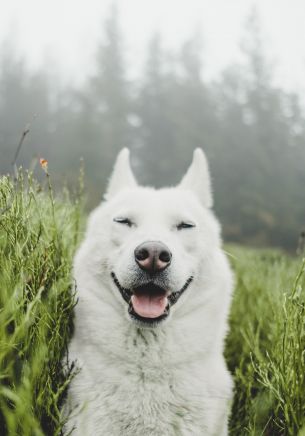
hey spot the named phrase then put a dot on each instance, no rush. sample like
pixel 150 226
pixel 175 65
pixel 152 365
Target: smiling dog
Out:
pixel 154 289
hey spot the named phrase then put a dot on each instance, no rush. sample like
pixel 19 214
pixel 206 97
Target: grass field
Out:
pixel 266 345
pixel 38 236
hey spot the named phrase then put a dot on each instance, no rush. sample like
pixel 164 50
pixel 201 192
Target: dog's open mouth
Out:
pixel 149 303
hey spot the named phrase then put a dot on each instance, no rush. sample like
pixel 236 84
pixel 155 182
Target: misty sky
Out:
pixel 62 34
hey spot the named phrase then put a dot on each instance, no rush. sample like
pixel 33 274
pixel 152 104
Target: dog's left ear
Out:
pixel 122 176
pixel 197 178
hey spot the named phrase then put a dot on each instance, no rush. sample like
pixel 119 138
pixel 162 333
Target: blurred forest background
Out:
pixel 252 131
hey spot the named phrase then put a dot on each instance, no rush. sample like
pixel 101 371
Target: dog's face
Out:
pixel 151 246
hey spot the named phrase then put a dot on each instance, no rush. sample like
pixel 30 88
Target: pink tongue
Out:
pixel 149 307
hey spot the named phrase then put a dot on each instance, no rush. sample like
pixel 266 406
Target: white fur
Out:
pixel 151 381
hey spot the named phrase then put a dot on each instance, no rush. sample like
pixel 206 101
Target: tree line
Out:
pixel 252 131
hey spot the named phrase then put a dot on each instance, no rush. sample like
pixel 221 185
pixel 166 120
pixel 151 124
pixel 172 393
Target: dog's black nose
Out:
pixel 153 256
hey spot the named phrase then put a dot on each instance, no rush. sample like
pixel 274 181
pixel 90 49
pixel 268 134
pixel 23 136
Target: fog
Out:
pixel 163 79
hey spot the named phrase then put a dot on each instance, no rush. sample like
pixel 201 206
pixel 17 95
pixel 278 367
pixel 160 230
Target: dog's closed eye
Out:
pixel 185 225
pixel 123 220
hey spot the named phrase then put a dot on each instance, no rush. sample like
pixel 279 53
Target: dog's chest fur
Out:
pixel 152 384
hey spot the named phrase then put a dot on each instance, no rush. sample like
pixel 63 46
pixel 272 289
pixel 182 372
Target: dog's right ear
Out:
pixel 122 176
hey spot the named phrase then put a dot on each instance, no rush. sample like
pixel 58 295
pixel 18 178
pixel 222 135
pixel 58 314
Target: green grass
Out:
pixel 266 344
pixel 38 236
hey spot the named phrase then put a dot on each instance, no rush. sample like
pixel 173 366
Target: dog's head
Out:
pixel 150 247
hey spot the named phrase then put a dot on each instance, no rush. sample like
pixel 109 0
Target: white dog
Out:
pixel 154 291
